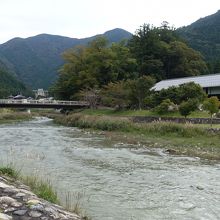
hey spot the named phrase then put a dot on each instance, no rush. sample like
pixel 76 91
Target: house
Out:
pixel 40 93
pixel 210 83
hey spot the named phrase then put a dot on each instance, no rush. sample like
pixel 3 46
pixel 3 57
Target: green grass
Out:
pixel 112 112
pixel 41 188
pixel 188 139
pixel 8 171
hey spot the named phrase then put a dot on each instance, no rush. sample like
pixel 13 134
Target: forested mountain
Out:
pixel 204 36
pixel 36 60
pixel 125 70
pixel 9 85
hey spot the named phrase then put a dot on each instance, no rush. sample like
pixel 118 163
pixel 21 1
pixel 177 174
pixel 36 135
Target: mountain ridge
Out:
pixel 204 35
pixel 36 60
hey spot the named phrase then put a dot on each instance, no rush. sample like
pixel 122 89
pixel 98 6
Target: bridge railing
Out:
pixel 46 102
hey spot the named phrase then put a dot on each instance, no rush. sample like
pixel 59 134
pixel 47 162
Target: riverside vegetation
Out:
pixel 44 190
pixel 8 116
pixel 186 139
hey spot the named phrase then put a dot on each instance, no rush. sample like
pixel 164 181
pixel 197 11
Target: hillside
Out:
pixel 204 36
pixel 36 60
pixel 9 85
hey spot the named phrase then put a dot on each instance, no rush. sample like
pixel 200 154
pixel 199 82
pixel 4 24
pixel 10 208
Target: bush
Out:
pixel 165 107
pixel 186 107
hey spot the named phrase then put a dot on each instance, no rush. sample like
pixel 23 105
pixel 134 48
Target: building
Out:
pixel 210 83
pixel 40 93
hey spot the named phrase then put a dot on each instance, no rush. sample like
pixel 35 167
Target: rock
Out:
pixel 37 207
pixel 199 188
pixel 18 195
pixel 22 204
pixel 187 206
pixel 5 217
pixel 10 190
pixel 27 192
pixel 16 204
pixel 171 151
pixel 35 214
pixel 12 209
pixel 20 212
pixel 7 200
pixel 33 202
pixel 3 185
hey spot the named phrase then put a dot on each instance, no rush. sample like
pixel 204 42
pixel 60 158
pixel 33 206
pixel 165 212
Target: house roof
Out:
pixel 205 81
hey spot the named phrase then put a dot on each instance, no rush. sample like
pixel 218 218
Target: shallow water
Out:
pixel 116 181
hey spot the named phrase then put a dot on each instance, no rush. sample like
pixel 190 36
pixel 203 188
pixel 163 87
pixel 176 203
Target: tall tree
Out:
pixel 139 90
pixel 162 54
pixel 96 65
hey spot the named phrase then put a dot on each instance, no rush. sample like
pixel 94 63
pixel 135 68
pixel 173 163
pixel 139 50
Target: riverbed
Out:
pixel 113 180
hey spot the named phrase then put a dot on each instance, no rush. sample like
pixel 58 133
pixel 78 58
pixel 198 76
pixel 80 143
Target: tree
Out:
pixel 178 94
pixel 212 106
pixel 115 95
pixel 186 107
pixel 139 89
pixel 183 61
pixel 96 65
pixel 161 53
pixel 90 95
pixel 165 106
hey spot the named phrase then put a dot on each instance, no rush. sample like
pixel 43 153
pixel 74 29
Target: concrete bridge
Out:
pixel 55 104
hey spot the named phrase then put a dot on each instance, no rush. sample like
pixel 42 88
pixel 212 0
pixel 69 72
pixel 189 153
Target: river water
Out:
pixel 114 181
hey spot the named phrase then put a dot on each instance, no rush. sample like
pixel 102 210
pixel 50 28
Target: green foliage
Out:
pixel 160 53
pixel 203 36
pixel 8 171
pixel 178 94
pixel 37 59
pixel 115 95
pixel 123 124
pixel 165 107
pixel 139 90
pixel 94 66
pixel 90 95
pixel 9 85
pixel 211 105
pixel 186 107
pixel 41 188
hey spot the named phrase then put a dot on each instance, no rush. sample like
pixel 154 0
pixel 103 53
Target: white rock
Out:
pixel 35 214
pixel 33 202
pixel 7 200
pixel 5 217
pixel 16 204
pixel 18 195
pixel 3 185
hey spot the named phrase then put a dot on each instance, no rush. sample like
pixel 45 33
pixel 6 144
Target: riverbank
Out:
pixel 10 116
pixel 18 202
pixel 175 138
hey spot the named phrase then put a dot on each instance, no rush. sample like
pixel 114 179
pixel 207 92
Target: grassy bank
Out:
pixel 187 139
pixel 9 116
pixel 44 189
pixel 112 112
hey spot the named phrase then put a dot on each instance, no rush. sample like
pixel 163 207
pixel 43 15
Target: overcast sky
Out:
pixel 84 18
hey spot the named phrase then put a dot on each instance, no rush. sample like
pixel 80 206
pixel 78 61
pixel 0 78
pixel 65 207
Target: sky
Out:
pixel 85 18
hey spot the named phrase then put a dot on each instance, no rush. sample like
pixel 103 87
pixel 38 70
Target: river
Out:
pixel 114 181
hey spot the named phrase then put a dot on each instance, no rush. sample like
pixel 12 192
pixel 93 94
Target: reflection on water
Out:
pixel 118 182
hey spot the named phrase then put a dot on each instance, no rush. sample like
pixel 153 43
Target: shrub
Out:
pixel 165 107
pixel 186 107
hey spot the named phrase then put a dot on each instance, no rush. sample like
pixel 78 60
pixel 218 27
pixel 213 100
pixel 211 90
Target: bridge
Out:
pixel 55 104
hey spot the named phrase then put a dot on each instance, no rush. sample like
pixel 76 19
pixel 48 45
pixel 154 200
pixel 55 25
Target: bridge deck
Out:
pixel 56 104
